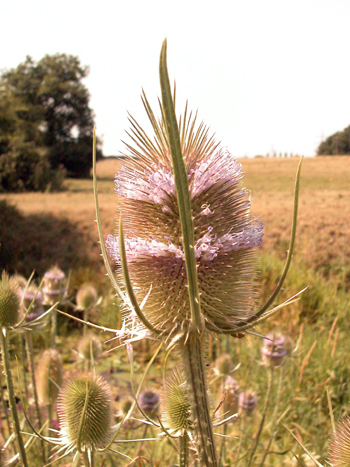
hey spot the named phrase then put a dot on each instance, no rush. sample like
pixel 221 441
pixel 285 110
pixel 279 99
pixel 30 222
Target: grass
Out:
pixel 318 322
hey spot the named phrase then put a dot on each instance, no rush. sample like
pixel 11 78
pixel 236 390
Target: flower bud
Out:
pixel 86 297
pixel 85 412
pixel 274 351
pixel 55 288
pixel 9 301
pixel 90 347
pixel 247 401
pixel 149 402
pixel 49 376
pixel 176 406
pixel 339 447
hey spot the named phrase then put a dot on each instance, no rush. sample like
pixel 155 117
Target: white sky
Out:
pixel 265 75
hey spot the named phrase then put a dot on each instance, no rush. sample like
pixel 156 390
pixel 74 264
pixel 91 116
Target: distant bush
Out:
pixel 336 145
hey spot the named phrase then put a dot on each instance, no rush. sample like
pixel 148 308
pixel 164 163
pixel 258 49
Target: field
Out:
pixel 318 323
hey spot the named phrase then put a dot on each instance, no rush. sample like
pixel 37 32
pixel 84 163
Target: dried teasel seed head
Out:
pixel 274 351
pixel 247 401
pixel 224 364
pixel 149 402
pixel 49 376
pixel 55 287
pixel 90 347
pixel 176 407
pixel 339 447
pixel 85 412
pixel 86 297
pixel 9 301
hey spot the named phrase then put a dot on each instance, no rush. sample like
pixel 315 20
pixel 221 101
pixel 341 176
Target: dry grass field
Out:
pixel 324 213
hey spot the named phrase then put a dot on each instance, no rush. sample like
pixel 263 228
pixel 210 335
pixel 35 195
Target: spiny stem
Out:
pixel 195 372
pixel 13 408
pixel 29 345
pixel 184 454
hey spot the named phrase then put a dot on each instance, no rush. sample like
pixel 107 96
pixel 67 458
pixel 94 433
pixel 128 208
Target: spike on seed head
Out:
pixel 9 301
pixel 225 234
pixel 49 376
pixel 92 429
pixel 339 447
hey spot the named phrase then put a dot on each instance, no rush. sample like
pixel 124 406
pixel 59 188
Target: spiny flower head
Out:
pixel 28 295
pixel 85 413
pixel 149 402
pixel 55 287
pixel 86 297
pixel 339 448
pixel 274 351
pixel 9 301
pixel 176 406
pixel 225 234
pixel 247 401
pixel 90 347
pixel 223 365
pixel 49 376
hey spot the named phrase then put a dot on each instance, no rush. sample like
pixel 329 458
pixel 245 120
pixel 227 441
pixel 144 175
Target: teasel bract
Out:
pixel 187 245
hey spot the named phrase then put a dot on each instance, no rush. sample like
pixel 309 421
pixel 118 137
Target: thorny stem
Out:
pixel 184 454
pixel 195 372
pixel 13 408
pixel 29 345
pixel 4 408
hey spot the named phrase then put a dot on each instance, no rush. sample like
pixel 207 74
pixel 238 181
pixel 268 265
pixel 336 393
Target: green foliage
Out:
pixel 46 123
pixel 336 145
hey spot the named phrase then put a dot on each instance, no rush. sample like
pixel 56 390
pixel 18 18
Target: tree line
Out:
pixel 46 124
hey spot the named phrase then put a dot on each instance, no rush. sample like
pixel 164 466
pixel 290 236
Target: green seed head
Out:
pixel 90 347
pixel 224 365
pixel 85 412
pixel 176 404
pixel 49 376
pixel 339 448
pixel 86 297
pixel 9 301
pixel 55 287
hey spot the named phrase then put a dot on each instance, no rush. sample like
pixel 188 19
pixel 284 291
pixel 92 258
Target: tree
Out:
pixel 337 144
pixel 46 105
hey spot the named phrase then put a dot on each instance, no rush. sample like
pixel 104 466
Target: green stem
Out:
pixel 275 416
pixel 5 409
pixel 13 408
pixel 23 359
pixel 53 328
pixel 184 454
pixel 195 372
pixel 266 406
pixel 29 345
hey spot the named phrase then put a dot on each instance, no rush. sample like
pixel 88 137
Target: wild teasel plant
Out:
pixel 186 245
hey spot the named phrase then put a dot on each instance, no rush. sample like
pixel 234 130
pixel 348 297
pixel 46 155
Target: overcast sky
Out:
pixel 264 75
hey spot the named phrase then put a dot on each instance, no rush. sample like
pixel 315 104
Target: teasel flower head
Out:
pixel 274 351
pixel 231 396
pixel 9 301
pixel 49 376
pixel 85 413
pixel 225 234
pixel 223 365
pixel 149 402
pixel 33 299
pixel 175 403
pixel 90 347
pixel 55 285
pixel 339 447
pixel 247 401
pixel 86 297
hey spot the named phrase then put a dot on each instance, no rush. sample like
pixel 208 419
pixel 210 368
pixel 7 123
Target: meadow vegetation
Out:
pixel 42 229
